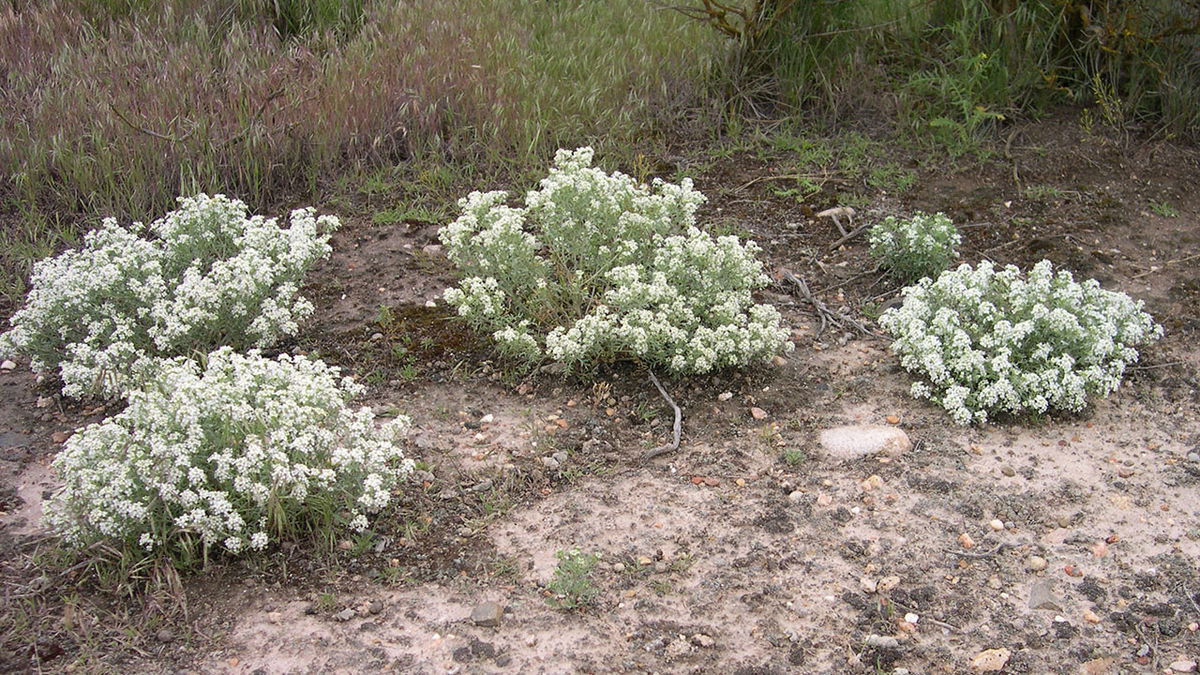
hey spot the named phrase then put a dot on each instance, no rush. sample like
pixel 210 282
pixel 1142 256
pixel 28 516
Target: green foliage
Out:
pixel 572 586
pixel 1164 209
pixel 921 246
pixel 597 268
pixel 988 342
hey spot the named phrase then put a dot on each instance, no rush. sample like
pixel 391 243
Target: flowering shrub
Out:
pixel 231 453
pixel 203 276
pixel 987 341
pixel 596 267
pixel 920 247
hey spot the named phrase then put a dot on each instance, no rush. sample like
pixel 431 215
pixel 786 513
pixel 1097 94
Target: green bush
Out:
pixel 988 342
pixel 598 268
pixel 203 276
pixel 227 454
pixel 921 246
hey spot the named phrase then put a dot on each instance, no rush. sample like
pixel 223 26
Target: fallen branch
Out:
pixel 674 444
pixel 857 231
pixel 827 316
pixel 1169 262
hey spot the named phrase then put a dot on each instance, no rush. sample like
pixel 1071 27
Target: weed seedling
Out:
pixel 572 587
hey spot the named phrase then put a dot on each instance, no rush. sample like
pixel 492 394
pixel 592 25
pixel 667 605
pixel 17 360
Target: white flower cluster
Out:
pixel 596 267
pixel 919 247
pixel 203 276
pixel 231 452
pixel 988 341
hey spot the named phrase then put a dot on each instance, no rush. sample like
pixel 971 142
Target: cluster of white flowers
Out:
pixel 205 275
pixel 919 247
pixel 596 267
pixel 231 452
pixel 988 341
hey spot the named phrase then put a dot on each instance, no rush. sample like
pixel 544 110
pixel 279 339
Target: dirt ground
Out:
pixel 1060 545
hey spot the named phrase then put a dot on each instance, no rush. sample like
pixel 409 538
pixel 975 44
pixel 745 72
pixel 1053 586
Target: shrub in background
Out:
pixel 987 342
pixel 227 454
pixel 921 246
pixel 203 276
pixel 596 267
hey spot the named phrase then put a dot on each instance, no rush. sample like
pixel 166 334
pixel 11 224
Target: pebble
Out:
pixel 487 614
pixel 725 396
pixel 911 618
pixel 857 441
pixel 991 660
pixel 1183 666
pixel 8 365
pixel 796 497
pixel 345 615
pixel 1064 521
pixel 758 413
pixel 996 524
pixel 824 500
pixel 868 584
pixel 1090 616
pixel 702 640
pixel 881 641
pixel 561 456
pixel 660 567
pixel 550 462
pixel 165 635
pixel 1036 563
pixel 966 541
pixel 1008 471
pixel 618 567
pixel 1041 597
pixel 887 583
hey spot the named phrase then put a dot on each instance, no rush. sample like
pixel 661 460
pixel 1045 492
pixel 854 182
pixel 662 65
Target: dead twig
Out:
pixel 827 315
pixel 153 134
pixel 983 554
pixel 674 444
pixel 854 233
pixel 1169 262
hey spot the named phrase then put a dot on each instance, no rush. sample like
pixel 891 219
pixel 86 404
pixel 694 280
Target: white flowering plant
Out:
pixel 227 453
pixel 203 276
pixel 988 342
pixel 921 246
pixel 596 267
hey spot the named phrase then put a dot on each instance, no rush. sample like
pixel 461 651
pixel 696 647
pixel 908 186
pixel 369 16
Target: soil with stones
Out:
pixel 772 540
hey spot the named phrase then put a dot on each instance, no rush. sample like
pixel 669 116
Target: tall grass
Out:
pixel 116 107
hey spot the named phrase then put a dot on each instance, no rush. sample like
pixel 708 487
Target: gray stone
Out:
pixel 487 614
pixel 1041 597
pixel 858 441
pixel 8 365
pixel 550 462
pixel 881 642
pixel 345 615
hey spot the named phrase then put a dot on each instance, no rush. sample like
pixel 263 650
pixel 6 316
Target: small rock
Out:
pixel 487 614
pixel 432 249
pixel 1036 563
pixel 966 541
pixel 661 567
pixel 881 642
pixel 991 660
pixel 796 497
pixel 44 401
pixel 376 337
pixel 482 486
pixel 550 462
pixel 1041 597
pixel 874 482
pixel 561 456
pixel 892 419
pixel 712 482
pixel 887 584
pixel 1183 666
pixel 911 618
pixel 1008 471
pixel 758 413
pixel 702 640
pixel 1064 521
pixel 164 635
pixel 375 607
pixel 8 365
pixel 725 396
pixel 618 567
pixel 868 584
pixel 996 524
pixel 60 436
pixel 345 615
pixel 854 442
pixel 1090 616
pixel 824 499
